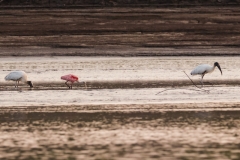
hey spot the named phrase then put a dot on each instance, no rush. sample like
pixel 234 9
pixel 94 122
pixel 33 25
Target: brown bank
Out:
pixel 159 30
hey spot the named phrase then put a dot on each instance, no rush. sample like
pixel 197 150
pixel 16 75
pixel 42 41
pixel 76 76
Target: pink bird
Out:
pixel 70 78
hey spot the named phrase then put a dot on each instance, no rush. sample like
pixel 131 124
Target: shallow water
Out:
pixel 146 72
pixel 150 121
pixel 116 68
pixel 119 96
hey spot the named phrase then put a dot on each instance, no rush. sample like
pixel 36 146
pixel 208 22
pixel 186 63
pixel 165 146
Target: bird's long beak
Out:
pixel 30 84
pixel 219 68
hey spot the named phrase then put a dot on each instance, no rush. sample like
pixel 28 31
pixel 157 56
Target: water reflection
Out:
pixel 140 134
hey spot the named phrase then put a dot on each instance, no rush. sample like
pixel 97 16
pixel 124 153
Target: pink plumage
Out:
pixel 69 78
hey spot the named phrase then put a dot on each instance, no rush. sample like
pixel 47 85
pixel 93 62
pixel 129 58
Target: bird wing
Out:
pixel 70 77
pixel 200 69
pixel 73 77
pixel 16 75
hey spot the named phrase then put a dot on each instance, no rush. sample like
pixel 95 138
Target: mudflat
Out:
pixel 120 31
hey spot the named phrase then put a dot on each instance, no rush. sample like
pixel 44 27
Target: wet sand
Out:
pixel 129 132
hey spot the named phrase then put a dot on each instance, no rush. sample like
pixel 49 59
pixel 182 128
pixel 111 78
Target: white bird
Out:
pixel 18 76
pixel 204 69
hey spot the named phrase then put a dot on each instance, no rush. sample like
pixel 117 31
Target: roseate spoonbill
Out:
pixel 204 69
pixel 71 78
pixel 18 76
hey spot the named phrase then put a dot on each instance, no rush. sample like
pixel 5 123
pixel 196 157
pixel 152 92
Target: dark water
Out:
pixel 119 134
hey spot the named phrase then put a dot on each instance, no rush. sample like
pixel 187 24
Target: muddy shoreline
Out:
pixel 120 31
pixel 127 108
pixel 119 134
pixel 9 86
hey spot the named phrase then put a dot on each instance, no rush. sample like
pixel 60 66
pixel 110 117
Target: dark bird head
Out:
pixel 217 65
pixel 30 84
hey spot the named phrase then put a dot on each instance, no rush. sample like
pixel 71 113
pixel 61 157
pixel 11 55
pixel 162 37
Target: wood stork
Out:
pixel 18 76
pixel 204 69
pixel 71 78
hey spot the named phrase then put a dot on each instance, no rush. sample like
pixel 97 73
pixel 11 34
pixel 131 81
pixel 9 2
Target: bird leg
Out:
pixel 205 82
pixel 202 82
pixel 16 84
pixel 67 84
pixel 202 78
pixel 71 85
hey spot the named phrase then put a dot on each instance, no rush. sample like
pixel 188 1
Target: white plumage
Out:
pixel 18 76
pixel 199 70
pixel 204 69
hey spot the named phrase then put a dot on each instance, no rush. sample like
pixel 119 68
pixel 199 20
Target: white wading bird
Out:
pixel 18 76
pixel 204 69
